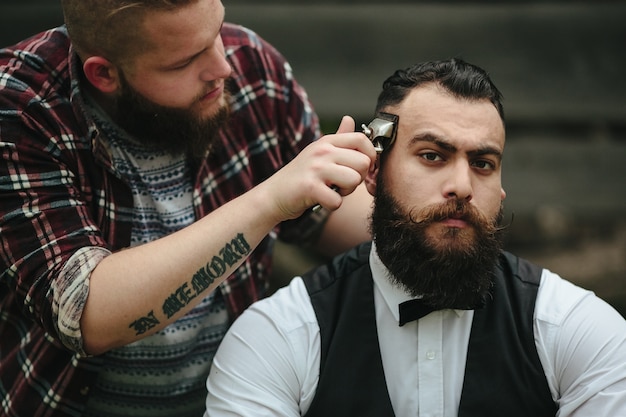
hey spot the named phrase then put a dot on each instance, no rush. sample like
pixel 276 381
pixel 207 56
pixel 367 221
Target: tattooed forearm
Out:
pixel 228 256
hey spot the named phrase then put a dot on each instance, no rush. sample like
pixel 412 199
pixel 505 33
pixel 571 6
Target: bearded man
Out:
pixel 433 317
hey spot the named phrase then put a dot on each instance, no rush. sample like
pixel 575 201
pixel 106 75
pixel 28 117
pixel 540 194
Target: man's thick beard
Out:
pixel 172 130
pixel 454 270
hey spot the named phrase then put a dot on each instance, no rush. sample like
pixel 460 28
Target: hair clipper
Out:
pixel 382 130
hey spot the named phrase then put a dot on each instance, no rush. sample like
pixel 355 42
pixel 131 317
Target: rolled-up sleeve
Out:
pixel 69 295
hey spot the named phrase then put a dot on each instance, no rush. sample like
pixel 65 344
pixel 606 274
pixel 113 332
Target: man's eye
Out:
pixel 181 66
pixel 431 156
pixel 484 164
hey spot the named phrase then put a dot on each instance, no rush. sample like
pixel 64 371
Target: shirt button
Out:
pixel 430 355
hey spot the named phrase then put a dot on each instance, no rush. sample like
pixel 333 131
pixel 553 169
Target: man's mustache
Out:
pixel 451 209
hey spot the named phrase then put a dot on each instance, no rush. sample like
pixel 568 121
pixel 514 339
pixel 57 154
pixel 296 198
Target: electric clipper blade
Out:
pixel 382 129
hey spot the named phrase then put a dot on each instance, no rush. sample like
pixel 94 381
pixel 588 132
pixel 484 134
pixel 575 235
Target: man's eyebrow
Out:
pixel 447 146
pixel 486 150
pixel 427 137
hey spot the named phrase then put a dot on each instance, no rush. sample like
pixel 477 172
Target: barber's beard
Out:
pixel 173 130
pixel 447 267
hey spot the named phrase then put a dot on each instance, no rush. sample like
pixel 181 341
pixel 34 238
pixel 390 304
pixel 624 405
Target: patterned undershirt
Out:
pixel 164 374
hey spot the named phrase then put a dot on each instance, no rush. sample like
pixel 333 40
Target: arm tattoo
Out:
pixel 144 324
pixel 228 256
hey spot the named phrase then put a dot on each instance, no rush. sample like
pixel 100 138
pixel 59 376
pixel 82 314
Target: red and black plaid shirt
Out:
pixel 58 194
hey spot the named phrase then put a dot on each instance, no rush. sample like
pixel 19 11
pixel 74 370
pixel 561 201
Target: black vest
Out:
pixel 503 374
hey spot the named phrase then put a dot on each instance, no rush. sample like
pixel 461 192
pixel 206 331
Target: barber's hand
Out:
pixel 339 160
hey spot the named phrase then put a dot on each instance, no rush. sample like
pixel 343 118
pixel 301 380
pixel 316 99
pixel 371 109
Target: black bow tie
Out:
pixel 413 310
pixel 416 309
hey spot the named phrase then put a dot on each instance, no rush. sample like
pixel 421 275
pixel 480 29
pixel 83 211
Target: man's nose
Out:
pixel 216 66
pixel 458 183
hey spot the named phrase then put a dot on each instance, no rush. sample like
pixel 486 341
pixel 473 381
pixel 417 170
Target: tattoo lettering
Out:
pixel 204 277
pixel 178 300
pixel 144 324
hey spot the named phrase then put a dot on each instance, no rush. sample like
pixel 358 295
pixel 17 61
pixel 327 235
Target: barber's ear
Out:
pixel 371 177
pixel 101 73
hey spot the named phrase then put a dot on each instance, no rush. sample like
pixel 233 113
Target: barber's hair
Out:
pixel 459 78
pixel 111 28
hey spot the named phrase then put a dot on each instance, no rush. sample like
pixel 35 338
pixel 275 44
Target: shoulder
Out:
pixel 234 35
pixel 581 341
pixel 287 310
pixel 32 60
pixel 269 359
pixel 257 65
pixel 566 312
pixel 558 297
pixel 277 334
pixel 240 40
pixel 35 72
pixel 260 74
pixel 37 90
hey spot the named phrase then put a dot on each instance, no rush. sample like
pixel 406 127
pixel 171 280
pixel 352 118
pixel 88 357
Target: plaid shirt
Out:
pixel 59 193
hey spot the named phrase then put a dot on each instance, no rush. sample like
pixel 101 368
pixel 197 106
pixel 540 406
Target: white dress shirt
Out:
pixel 268 363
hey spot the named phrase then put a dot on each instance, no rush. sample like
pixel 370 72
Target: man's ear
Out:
pixel 371 177
pixel 101 73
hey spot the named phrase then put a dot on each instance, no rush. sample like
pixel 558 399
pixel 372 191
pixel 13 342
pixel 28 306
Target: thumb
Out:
pixel 346 125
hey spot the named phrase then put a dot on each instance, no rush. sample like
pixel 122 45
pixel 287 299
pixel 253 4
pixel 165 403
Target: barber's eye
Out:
pixel 182 66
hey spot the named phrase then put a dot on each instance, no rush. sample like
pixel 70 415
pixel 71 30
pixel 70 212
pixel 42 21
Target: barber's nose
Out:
pixel 216 66
pixel 458 184
pixel 223 68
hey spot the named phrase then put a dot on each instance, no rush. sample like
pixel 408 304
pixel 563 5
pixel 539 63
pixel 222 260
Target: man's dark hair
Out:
pixel 459 78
